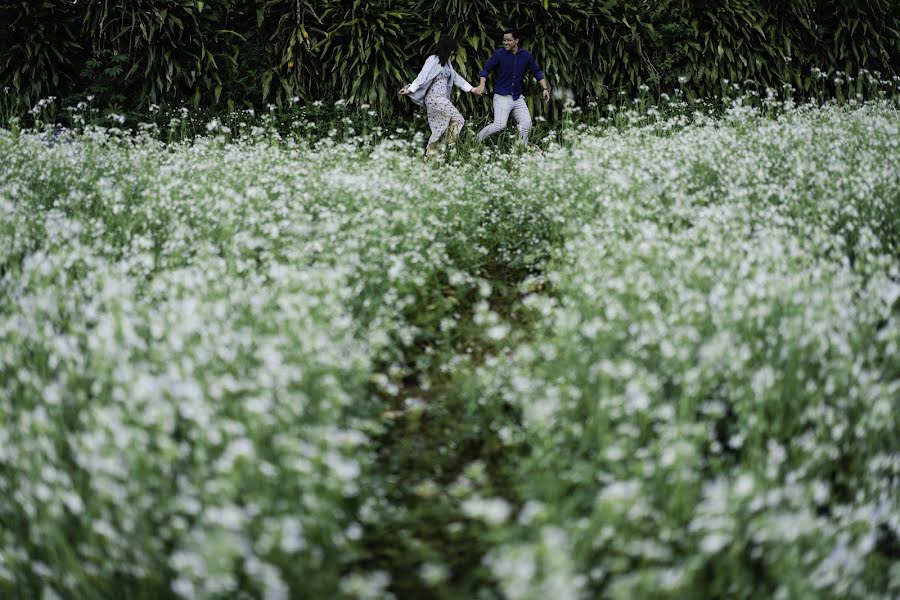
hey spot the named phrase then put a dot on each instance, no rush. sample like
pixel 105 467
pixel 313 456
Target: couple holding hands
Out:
pixel 437 77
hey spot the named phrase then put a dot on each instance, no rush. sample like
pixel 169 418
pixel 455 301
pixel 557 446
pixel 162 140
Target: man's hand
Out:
pixel 478 91
pixel 546 94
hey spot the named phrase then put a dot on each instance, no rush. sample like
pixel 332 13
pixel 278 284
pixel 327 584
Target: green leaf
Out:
pixel 266 83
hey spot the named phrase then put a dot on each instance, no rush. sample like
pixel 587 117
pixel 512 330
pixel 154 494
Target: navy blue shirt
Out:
pixel 510 71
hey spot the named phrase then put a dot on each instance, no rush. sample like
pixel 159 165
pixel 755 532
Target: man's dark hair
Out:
pixel 443 48
pixel 513 32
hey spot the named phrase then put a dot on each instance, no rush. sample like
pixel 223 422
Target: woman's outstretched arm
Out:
pixel 460 82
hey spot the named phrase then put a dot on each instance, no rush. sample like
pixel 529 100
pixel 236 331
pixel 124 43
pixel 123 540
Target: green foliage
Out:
pixel 253 52
pixel 277 60
pixel 366 48
pixel 38 49
pixel 177 49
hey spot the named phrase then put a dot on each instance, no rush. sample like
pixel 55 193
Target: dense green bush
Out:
pixel 180 50
pixel 253 52
pixel 38 49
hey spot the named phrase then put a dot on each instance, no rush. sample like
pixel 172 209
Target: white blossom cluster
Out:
pixel 193 348
pixel 711 403
pixel 198 342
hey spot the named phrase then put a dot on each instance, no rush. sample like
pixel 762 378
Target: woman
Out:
pixel 432 88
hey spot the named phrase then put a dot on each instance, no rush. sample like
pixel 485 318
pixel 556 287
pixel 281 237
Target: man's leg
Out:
pixel 502 106
pixel 523 118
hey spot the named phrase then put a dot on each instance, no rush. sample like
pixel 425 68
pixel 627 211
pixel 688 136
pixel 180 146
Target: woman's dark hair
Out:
pixel 443 48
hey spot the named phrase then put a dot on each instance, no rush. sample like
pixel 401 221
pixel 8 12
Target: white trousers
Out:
pixel 503 105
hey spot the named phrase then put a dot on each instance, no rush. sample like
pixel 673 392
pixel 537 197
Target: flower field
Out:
pixel 653 361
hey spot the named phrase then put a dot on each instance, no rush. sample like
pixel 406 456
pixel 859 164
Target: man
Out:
pixel 510 61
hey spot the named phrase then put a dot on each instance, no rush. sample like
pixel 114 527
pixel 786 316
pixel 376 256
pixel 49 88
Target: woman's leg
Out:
pixel 439 115
pixel 456 124
pixel 438 121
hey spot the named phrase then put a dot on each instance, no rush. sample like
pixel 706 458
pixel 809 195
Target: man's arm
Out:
pixel 489 66
pixel 539 75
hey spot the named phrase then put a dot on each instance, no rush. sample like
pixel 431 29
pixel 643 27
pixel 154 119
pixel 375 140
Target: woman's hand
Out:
pixel 405 91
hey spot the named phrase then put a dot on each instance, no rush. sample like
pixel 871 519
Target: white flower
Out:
pixel 494 511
